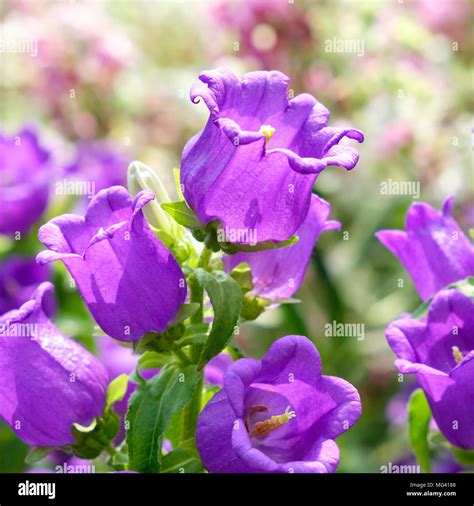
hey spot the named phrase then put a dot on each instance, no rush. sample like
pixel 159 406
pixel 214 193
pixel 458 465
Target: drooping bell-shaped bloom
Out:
pixel 19 277
pixel 434 250
pixel 130 282
pixel 277 415
pixel 439 349
pixel 278 273
pixel 48 381
pixel 25 173
pixel 253 166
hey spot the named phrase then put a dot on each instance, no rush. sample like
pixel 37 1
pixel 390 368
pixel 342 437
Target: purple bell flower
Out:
pixel 48 381
pixel 439 349
pixel 279 273
pixel 253 166
pixel 25 173
pixel 434 250
pixel 277 415
pixel 131 283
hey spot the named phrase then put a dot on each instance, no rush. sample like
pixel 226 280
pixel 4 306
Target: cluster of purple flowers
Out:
pixel 438 347
pixel 251 169
pixel 248 174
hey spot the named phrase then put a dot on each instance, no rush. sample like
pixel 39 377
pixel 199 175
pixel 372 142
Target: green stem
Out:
pixel 191 412
pixel 205 257
pixel 183 358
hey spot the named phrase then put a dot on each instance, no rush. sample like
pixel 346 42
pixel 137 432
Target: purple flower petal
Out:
pixel 278 415
pixel 434 250
pixel 279 273
pixel 48 381
pixel 129 280
pixel 231 174
pixel 426 348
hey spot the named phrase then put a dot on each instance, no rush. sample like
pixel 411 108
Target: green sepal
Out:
pixel 243 275
pixel 116 391
pixel 92 440
pixel 182 214
pixel 185 311
pixel 153 360
pixel 253 306
pixel 161 342
pixel 230 248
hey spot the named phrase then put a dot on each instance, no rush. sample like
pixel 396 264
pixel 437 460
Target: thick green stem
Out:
pixel 191 412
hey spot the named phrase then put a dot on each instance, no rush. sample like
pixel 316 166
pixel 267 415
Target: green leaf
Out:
pixel 174 431
pixel 181 461
pixel 38 453
pixel 153 360
pixel 231 248
pixel 151 408
pixel 226 298
pixel 185 311
pixel 116 391
pixel 419 416
pixel 182 213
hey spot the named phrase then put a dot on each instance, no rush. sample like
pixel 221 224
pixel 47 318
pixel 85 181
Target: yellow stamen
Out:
pixel 267 131
pixel 266 426
pixel 457 354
